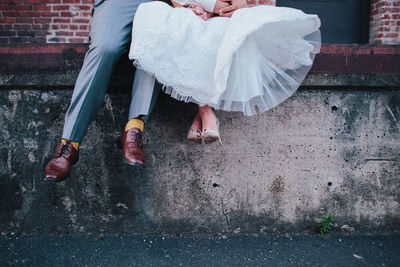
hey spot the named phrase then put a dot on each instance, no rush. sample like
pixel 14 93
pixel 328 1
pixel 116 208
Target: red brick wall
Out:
pixel 44 21
pixel 67 21
pixel 385 22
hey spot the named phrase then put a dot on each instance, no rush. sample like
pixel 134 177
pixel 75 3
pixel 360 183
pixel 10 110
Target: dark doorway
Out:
pixel 342 21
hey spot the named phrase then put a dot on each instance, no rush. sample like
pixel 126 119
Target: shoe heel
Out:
pixel 194 136
pixel 211 139
pixel 211 135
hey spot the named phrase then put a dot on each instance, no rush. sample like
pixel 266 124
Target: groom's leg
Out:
pixel 144 95
pixel 142 102
pixel 110 34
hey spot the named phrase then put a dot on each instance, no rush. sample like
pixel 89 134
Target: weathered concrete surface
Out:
pixel 319 152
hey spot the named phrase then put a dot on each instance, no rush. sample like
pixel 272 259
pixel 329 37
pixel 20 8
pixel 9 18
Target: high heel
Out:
pixel 194 135
pixel 211 135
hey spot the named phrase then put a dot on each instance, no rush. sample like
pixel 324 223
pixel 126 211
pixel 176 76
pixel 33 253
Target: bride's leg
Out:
pixel 210 125
pixel 208 118
pixel 196 122
pixel 195 130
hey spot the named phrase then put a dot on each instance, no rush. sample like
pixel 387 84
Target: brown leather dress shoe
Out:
pixel 57 169
pixel 131 143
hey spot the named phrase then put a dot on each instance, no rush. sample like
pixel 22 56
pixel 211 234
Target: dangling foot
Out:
pixel 66 155
pixel 194 134
pixel 130 142
pixel 210 125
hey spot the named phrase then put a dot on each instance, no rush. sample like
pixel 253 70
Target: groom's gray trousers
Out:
pixel 110 38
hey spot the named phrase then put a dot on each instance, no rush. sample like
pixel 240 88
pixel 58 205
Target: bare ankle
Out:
pixel 204 109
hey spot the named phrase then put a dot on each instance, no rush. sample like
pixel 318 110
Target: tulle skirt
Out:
pixel 248 63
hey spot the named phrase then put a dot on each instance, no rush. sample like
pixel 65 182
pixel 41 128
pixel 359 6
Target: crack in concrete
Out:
pixel 225 213
pixel 394 118
pixel 394 160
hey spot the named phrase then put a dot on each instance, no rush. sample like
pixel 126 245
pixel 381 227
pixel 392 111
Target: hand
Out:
pixel 219 4
pixel 235 5
pixel 207 15
pixel 200 12
pixel 197 9
pixel 174 4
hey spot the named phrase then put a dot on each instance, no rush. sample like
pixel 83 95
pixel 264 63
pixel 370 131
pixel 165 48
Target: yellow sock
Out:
pixel 74 144
pixel 134 123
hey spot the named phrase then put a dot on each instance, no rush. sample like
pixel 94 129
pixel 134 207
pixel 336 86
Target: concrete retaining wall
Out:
pixel 322 151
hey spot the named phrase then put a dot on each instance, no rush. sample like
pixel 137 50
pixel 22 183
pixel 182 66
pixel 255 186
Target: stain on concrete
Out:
pixel 277 186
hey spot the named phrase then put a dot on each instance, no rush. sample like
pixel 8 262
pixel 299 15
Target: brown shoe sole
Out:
pixel 51 180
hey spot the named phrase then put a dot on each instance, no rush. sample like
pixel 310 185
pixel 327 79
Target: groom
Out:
pixel 110 35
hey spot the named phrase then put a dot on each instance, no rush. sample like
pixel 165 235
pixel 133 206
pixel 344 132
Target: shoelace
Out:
pixel 135 138
pixel 63 151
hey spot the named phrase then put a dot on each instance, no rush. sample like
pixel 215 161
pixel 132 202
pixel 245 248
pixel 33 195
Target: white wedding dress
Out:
pixel 250 62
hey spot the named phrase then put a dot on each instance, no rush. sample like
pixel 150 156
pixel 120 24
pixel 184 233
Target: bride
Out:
pixel 250 62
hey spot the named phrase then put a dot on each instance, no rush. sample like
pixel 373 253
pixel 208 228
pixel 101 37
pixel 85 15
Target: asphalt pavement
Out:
pixel 201 250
